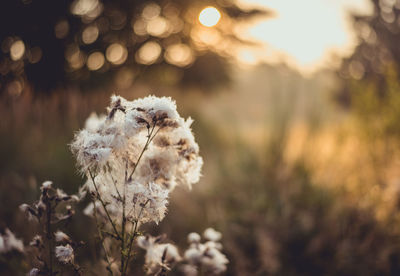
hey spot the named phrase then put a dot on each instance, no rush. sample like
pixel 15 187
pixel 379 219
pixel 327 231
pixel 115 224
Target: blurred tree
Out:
pixel 50 43
pixel 378 48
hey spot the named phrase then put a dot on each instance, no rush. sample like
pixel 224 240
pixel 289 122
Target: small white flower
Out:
pixel 61 194
pixel 212 244
pixel 8 242
pixel 158 255
pixel 189 270
pixel 143 242
pixel 193 255
pixel 34 272
pixel 46 185
pixel 28 210
pixel 36 241
pixel 194 238
pixel 212 235
pixel 75 198
pixel 206 256
pixel 214 261
pixel 88 211
pixel 61 237
pixel 24 207
pixel 65 254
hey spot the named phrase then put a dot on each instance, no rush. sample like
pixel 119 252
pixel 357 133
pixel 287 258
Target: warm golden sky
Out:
pixel 304 33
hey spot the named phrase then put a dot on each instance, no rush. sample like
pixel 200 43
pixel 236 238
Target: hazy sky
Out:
pixel 305 33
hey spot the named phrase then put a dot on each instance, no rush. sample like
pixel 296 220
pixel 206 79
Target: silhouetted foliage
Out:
pixel 379 38
pixel 50 43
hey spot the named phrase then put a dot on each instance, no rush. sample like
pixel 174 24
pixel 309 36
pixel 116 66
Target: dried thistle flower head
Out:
pixel 194 238
pixel 8 242
pixel 136 155
pixel 158 255
pixel 46 185
pixel 61 237
pixel 65 254
pixel 206 257
pixel 189 270
pixel 212 235
pixel 37 241
pixel 34 272
pixel 28 210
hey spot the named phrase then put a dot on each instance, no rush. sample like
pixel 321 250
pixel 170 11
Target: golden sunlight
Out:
pixel 209 16
pixel 306 34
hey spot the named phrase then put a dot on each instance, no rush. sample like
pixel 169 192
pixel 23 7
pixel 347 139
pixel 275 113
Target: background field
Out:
pixel 301 169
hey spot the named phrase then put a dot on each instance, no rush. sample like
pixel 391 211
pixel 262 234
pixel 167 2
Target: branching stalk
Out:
pixel 104 206
pixel 149 139
pixel 126 239
pixel 102 239
pixel 133 235
pixel 125 256
pixel 49 235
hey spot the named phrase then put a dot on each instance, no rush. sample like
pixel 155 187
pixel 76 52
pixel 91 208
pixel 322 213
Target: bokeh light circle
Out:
pixel 209 16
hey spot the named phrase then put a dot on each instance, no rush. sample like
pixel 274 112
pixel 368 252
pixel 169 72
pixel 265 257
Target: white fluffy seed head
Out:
pixel 158 255
pixel 8 242
pixel 65 254
pixel 34 272
pixel 207 256
pixel 61 236
pixel 194 238
pixel 46 185
pixel 212 235
pixel 189 270
pixel 110 146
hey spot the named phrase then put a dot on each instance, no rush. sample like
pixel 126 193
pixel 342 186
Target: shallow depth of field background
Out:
pixel 296 109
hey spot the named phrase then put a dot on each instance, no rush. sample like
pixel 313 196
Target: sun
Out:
pixel 209 16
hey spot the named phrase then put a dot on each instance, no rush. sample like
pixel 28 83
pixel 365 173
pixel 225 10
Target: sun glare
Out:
pixel 306 34
pixel 209 16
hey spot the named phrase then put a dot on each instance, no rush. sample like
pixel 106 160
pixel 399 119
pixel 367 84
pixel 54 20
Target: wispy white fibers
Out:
pixel 205 256
pixel 8 242
pixel 158 255
pixel 136 155
pixel 65 254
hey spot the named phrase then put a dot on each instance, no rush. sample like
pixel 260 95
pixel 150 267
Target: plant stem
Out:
pixel 123 255
pixel 126 240
pixel 102 239
pixel 104 206
pixel 49 233
pixel 133 235
pixel 149 139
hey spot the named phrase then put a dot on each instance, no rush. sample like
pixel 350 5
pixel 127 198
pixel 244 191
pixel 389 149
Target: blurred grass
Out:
pixel 297 186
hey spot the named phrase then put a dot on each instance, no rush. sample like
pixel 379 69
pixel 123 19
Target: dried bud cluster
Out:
pixel 133 158
pixel 8 242
pixel 159 256
pixel 50 198
pixel 48 211
pixel 206 257
pixel 136 155
pixel 65 254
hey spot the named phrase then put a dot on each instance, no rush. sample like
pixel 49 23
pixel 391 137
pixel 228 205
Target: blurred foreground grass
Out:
pixel 297 186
